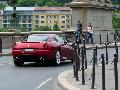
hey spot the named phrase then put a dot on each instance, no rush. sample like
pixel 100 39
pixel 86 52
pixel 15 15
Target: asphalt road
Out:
pixel 36 77
pixel 29 77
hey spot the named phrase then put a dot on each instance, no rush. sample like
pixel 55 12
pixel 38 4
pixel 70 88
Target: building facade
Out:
pixel 24 15
pixel 49 16
pixel 31 18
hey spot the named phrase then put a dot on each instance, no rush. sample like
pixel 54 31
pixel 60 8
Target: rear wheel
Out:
pixel 18 63
pixel 57 58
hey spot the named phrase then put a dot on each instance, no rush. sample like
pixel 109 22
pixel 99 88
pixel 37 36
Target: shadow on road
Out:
pixel 33 64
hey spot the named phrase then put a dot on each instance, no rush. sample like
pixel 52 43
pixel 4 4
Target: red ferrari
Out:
pixel 50 48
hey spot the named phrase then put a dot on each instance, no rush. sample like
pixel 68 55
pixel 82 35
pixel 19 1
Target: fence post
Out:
pixel 116 71
pixel 85 52
pixel 93 70
pixel 100 39
pixel 116 47
pixel 76 63
pixel 96 55
pixel 0 45
pixel 103 72
pixel 107 37
pixel 74 59
pixel 106 52
pixel 83 75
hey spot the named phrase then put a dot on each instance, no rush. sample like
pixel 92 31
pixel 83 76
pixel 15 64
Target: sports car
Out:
pixel 51 48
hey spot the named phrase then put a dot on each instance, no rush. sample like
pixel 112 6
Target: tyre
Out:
pixel 18 63
pixel 57 58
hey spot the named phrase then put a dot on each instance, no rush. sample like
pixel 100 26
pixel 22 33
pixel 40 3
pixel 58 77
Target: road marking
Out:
pixel 43 83
pixel 1 64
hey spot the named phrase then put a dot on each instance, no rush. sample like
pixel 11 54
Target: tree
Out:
pixel 43 28
pixel 2 6
pixel 115 21
pixel 23 28
pixel 56 28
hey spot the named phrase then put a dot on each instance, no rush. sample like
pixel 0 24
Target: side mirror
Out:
pixel 65 42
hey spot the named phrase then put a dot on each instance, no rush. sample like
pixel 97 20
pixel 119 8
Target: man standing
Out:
pixel 90 32
pixel 79 32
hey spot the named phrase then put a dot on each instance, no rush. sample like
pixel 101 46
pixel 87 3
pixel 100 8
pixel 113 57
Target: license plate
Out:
pixel 28 50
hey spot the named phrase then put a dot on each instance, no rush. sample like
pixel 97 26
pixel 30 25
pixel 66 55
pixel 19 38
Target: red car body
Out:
pixel 41 47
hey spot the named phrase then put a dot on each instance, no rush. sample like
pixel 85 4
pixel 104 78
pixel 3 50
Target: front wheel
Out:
pixel 57 58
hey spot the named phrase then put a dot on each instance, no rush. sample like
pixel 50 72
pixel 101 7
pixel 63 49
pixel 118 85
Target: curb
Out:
pixel 63 83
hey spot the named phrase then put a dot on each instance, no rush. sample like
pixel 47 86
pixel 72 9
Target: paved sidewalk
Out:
pixel 67 81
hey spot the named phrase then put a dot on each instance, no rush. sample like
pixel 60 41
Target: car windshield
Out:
pixel 36 38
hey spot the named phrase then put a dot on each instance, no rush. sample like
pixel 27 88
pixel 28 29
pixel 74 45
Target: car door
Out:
pixel 64 47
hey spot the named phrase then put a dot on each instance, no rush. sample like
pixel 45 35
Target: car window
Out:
pixel 59 39
pixel 37 38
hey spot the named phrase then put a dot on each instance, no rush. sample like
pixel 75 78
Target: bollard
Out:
pixel 76 63
pixel 96 55
pixel 93 70
pixel 83 75
pixel 116 71
pixel 85 52
pixel 74 58
pixel 100 39
pixel 106 52
pixel 107 37
pixel 0 45
pixel 114 37
pixel 116 48
pixel 103 72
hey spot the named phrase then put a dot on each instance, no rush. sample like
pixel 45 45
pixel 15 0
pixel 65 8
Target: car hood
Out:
pixel 30 45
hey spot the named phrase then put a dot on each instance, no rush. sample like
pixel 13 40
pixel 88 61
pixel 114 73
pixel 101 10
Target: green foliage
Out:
pixel 3 29
pixel 43 28
pixel 56 28
pixel 55 4
pixel 30 3
pixel 2 6
pixel 115 21
pixel 23 28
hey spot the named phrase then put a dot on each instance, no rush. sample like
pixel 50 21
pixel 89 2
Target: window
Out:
pixel 29 25
pixel 63 21
pixel 63 16
pixel 24 21
pixel 36 21
pixel 29 17
pixel 36 16
pixel 59 39
pixel 48 16
pixel 62 26
pixel 42 16
pixel 37 38
pixel 42 21
pixel 55 16
pixel 4 21
pixel 24 17
pixel 5 17
pixel 29 21
pixel 49 21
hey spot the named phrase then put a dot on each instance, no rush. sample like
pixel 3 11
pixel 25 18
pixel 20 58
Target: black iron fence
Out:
pixel 80 61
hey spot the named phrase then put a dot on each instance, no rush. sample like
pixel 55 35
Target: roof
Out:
pixel 52 9
pixel 20 8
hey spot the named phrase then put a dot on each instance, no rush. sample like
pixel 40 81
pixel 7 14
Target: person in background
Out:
pixel 79 31
pixel 90 33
